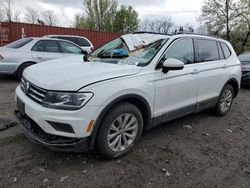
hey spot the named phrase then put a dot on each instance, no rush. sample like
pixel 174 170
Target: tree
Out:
pixel 158 25
pixel 31 15
pixel 7 8
pixel 100 14
pixel 83 23
pixel 17 16
pixel 228 19
pixel 126 20
pixel 218 16
pixel 242 31
pixel 1 15
pixel 49 17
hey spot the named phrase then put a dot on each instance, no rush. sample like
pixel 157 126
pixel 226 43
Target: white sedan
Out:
pixel 18 55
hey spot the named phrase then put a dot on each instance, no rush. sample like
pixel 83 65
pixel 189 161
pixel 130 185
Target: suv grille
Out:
pixel 34 92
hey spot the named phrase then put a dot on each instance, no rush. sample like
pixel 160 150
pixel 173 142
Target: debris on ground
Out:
pixel 229 130
pixel 247 171
pixel 164 170
pixel 6 123
pixel 167 173
pixel 206 134
pixel 63 178
pixel 187 127
pixel 15 179
pixel 45 180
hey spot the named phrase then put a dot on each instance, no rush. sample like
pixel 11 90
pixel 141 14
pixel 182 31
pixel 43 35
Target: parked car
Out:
pixel 245 61
pixel 18 55
pixel 83 42
pixel 130 84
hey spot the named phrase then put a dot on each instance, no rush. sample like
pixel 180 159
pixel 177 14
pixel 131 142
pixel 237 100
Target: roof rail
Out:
pixel 150 32
pixel 187 33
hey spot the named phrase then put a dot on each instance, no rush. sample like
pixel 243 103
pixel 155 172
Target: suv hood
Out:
pixel 71 76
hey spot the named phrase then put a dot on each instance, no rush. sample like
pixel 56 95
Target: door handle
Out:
pixel 195 71
pixel 39 58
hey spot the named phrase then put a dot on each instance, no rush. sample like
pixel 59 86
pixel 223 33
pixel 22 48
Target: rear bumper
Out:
pixel 56 143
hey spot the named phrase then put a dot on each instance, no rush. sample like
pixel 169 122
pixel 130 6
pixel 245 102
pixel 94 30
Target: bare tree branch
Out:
pixel 31 15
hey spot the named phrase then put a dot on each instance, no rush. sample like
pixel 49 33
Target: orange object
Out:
pixel 91 123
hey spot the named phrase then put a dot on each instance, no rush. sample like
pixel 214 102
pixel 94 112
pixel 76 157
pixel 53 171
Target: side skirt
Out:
pixel 195 108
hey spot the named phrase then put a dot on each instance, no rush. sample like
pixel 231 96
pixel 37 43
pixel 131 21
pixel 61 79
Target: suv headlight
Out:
pixel 66 101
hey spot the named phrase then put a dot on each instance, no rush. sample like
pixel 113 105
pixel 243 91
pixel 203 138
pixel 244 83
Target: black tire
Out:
pixel 120 110
pixel 218 110
pixel 21 69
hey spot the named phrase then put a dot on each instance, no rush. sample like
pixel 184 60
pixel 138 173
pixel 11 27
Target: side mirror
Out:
pixel 84 52
pixel 172 64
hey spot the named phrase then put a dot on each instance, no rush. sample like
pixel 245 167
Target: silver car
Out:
pixel 18 55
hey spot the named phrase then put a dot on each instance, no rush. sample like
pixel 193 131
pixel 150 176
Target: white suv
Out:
pixel 130 84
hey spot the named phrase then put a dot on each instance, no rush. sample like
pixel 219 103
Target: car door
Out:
pixel 45 50
pixel 70 49
pixel 176 91
pixel 212 71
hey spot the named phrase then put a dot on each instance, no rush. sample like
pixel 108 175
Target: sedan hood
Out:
pixel 71 74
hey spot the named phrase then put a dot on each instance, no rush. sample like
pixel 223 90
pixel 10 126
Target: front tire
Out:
pixel 225 100
pixel 121 129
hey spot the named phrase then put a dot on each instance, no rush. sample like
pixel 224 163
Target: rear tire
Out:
pixel 21 69
pixel 225 100
pixel 120 130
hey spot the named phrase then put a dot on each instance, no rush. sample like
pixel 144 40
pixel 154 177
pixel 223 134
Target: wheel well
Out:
pixel 235 86
pixel 26 63
pixel 136 100
pixel 32 62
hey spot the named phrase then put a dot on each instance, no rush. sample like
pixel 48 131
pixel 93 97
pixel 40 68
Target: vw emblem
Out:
pixel 25 86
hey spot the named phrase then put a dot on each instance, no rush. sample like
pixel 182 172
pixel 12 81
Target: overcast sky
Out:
pixel 181 11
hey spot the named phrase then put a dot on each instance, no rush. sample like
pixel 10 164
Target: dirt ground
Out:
pixel 199 150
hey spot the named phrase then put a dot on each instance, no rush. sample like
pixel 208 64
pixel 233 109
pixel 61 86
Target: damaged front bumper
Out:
pixel 57 143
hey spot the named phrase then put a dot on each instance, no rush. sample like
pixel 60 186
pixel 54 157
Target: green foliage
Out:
pixel 228 19
pixel 126 20
pixel 102 15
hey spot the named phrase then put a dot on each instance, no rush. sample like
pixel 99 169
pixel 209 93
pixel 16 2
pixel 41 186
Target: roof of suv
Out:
pixel 179 35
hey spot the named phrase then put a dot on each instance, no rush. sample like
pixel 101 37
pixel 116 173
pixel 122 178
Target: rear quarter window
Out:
pixel 225 49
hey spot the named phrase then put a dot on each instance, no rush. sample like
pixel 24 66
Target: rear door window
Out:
pixel 70 48
pixel 206 50
pixel 226 50
pixel 46 46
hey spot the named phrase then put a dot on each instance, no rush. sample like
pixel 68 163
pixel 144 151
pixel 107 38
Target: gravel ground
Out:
pixel 199 150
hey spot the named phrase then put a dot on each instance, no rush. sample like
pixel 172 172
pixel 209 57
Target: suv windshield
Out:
pixel 129 49
pixel 19 43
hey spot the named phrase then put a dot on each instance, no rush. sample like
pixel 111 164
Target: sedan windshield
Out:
pixel 19 43
pixel 132 52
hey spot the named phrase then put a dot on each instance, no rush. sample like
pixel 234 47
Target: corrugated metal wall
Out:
pixel 33 30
